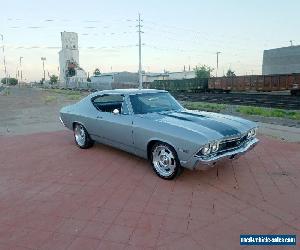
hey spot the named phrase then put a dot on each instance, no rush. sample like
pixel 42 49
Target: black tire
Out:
pixel 175 169
pixel 85 140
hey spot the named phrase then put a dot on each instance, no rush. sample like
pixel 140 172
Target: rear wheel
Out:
pixel 82 138
pixel 164 161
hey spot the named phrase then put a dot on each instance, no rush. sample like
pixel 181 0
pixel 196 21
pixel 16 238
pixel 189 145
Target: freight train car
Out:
pixel 183 85
pixel 259 83
pixel 264 83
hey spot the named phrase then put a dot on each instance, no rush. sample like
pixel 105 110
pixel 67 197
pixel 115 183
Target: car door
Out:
pixel 113 128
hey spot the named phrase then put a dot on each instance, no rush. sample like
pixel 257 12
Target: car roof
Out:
pixel 127 91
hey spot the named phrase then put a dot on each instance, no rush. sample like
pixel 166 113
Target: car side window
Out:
pixel 108 103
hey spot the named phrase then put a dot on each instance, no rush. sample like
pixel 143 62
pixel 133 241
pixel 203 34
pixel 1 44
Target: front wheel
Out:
pixel 82 138
pixel 164 161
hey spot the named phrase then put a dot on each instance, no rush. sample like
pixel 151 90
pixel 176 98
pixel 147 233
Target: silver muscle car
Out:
pixel 152 124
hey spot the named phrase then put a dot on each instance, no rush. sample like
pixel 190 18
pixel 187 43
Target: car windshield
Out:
pixel 153 102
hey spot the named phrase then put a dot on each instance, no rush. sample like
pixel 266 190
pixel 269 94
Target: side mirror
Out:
pixel 116 112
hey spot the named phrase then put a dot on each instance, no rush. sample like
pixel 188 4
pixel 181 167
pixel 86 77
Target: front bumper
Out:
pixel 204 163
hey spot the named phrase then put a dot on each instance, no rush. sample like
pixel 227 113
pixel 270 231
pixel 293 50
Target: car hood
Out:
pixel 211 125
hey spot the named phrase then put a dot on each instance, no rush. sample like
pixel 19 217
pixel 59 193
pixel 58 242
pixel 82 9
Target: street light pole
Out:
pixel 4 61
pixel 217 62
pixel 21 76
pixel 43 60
pixel 21 57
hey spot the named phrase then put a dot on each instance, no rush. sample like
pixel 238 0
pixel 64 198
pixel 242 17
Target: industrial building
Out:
pixel 71 74
pixel 114 80
pixel 103 81
pixel 284 60
pixel 151 77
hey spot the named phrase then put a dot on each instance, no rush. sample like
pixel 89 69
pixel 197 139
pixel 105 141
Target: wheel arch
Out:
pixel 78 122
pixel 74 123
pixel 153 141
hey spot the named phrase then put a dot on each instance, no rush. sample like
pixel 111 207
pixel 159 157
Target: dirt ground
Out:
pixel 32 110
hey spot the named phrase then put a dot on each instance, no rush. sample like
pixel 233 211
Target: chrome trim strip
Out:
pixel 61 121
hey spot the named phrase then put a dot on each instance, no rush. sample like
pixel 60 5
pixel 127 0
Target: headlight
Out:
pixel 209 148
pixel 206 149
pixel 251 133
pixel 214 147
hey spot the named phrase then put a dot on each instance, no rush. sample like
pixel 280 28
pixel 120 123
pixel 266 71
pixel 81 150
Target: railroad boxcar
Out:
pixel 261 83
pixel 284 82
pixel 265 83
pixel 182 85
pixel 294 84
pixel 220 84
pixel 227 84
pixel 256 82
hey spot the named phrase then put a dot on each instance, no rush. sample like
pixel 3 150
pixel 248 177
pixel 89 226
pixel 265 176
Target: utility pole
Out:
pixel 43 61
pixel 4 61
pixel 140 52
pixel 217 62
pixel 21 76
pixel 21 57
pixel 291 41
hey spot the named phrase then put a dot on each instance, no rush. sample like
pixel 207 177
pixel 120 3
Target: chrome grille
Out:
pixel 232 143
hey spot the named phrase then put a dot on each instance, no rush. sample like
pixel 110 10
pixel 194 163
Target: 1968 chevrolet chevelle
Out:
pixel 152 124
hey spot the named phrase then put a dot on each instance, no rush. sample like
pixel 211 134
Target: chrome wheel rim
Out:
pixel 163 161
pixel 79 135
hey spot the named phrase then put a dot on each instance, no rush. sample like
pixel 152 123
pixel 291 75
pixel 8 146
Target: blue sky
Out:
pixel 177 33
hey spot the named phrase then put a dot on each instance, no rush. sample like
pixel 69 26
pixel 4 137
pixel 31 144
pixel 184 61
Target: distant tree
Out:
pixel 97 72
pixel 3 80
pixel 230 73
pixel 53 79
pixel 203 71
pixel 10 81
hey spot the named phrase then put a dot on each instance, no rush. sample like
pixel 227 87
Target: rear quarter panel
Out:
pixel 80 112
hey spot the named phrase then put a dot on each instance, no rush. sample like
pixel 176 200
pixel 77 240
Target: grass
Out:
pixel 269 112
pixel 64 91
pixel 246 110
pixel 6 92
pixel 72 95
pixel 49 99
pixel 205 106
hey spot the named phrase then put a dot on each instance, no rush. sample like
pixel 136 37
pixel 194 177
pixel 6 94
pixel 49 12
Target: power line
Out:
pixel 200 35
pixel 57 47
